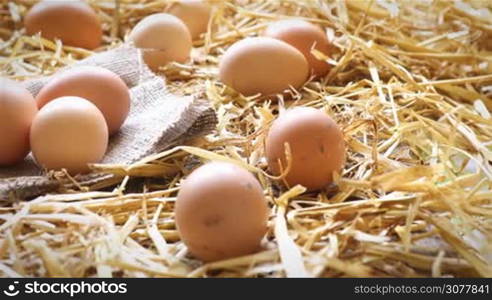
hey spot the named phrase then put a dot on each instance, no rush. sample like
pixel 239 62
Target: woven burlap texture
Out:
pixel 157 118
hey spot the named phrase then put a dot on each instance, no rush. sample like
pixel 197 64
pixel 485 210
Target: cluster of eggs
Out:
pixel 212 215
pixel 279 59
pixel 69 122
pixel 76 24
pixel 183 22
pixel 221 211
pixel 211 222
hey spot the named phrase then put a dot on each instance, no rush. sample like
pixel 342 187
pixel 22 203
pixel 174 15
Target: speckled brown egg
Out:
pixel 17 110
pixel 69 133
pixel 163 38
pixel 263 65
pixel 316 144
pixel 194 13
pixel 100 86
pixel 73 22
pixel 304 36
pixel 221 212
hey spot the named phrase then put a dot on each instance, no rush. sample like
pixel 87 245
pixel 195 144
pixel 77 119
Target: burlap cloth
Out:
pixel 157 120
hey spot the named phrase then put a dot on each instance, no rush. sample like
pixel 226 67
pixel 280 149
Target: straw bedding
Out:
pixel 411 87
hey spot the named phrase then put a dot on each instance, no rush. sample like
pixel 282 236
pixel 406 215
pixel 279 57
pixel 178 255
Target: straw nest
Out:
pixel 411 87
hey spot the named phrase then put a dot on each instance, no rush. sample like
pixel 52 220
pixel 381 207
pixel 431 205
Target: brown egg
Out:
pixel 69 132
pixel 264 66
pixel 102 87
pixel 73 22
pixel 221 212
pixel 194 13
pixel 304 36
pixel 316 144
pixel 163 38
pixel 17 110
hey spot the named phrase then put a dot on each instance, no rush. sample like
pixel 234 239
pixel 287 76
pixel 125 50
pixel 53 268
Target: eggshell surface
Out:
pixel 221 212
pixel 263 65
pixel 163 38
pixel 17 110
pixel 194 13
pixel 100 86
pixel 73 22
pixel 70 134
pixel 316 144
pixel 304 36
